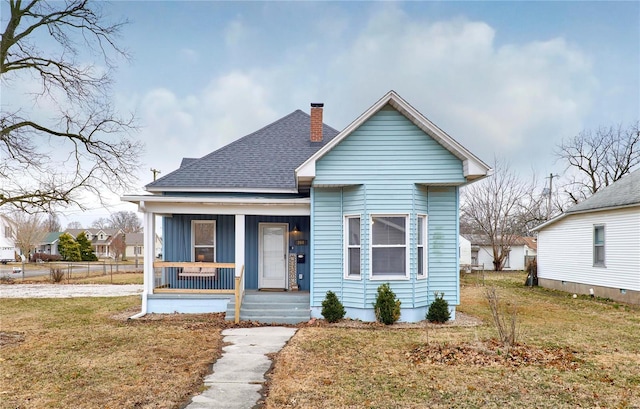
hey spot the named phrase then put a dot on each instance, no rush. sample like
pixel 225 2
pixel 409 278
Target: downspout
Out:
pixel 145 287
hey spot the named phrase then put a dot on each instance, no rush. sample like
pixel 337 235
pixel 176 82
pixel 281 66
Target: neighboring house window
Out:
pixel 8 232
pixel 389 246
pixel 204 240
pixel 598 245
pixel 421 244
pixel 352 244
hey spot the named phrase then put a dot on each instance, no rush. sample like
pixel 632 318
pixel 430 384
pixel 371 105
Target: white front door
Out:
pixel 272 265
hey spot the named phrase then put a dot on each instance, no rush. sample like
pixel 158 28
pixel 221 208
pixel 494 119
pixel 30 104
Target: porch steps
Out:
pixel 272 307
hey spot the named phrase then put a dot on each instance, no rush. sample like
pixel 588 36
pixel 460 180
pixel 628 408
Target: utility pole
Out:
pixel 550 177
pixel 155 172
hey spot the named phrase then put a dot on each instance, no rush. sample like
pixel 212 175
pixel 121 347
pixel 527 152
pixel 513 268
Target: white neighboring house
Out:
pixel 465 252
pixel 595 245
pixel 7 240
pixel 522 250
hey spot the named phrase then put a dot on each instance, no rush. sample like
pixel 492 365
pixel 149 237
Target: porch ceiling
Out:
pixel 218 205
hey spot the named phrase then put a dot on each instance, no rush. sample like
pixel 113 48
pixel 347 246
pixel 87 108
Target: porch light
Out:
pixel 295 229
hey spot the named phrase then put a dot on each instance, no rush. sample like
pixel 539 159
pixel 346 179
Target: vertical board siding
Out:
pixel 385 163
pixel 178 246
pixel 252 247
pixel 177 233
pixel 565 249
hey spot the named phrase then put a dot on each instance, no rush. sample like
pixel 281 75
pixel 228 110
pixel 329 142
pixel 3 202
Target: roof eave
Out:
pixel 570 213
pixel 160 190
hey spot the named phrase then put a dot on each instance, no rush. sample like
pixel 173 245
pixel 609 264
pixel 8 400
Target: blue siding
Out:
pixel 387 165
pixel 327 243
pixel 178 247
pixel 177 242
pixel 443 243
pixel 252 247
pixel 386 149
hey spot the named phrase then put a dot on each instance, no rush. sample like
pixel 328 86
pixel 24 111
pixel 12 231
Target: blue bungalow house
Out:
pixel 297 208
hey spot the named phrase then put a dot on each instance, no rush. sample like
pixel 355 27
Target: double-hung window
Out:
pixel 352 244
pixel 204 240
pixel 421 245
pixel 389 246
pixel 598 246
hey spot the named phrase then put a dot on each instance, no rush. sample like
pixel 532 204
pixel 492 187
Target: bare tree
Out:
pixel 80 130
pixel 74 225
pixel 600 158
pixel 101 223
pixel 29 231
pixel 119 246
pixel 52 223
pixel 128 222
pixel 493 207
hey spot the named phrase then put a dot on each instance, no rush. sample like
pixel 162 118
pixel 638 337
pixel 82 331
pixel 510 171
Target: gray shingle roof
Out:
pixel 263 160
pixel 623 192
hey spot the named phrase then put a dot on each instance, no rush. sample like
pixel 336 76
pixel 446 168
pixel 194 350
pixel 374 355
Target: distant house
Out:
pixel 465 252
pixel 135 245
pixel 49 243
pixel 7 240
pixel 595 245
pixel 523 250
pixel 298 205
pixel 102 240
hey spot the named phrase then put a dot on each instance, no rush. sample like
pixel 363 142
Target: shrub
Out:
pixel 57 274
pixel 332 308
pixel 505 317
pixel 45 257
pixel 387 307
pixel 439 310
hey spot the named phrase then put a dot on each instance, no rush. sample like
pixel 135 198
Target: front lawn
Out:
pixel 83 353
pixel 573 353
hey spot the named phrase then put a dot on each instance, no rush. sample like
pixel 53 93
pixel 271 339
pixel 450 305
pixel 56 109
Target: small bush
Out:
pixel 439 310
pixel 332 308
pixel 57 274
pixel 45 257
pixel 505 317
pixel 387 307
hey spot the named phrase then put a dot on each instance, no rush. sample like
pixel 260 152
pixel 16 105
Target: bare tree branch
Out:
pixel 600 158
pixel 87 148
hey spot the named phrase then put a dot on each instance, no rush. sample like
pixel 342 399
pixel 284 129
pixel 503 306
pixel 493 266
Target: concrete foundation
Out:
pixel 617 294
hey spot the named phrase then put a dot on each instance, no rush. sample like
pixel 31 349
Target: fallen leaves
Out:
pixel 494 353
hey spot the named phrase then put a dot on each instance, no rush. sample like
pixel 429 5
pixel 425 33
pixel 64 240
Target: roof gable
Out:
pixel 263 161
pixel 473 167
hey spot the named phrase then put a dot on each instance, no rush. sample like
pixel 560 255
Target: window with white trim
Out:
pixel 204 240
pixel 352 246
pixel 389 246
pixel 421 244
pixel 598 246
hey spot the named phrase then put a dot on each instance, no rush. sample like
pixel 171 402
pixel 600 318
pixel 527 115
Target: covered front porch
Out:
pixel 215 248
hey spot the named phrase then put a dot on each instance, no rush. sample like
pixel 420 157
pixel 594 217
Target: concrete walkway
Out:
pixel 238 376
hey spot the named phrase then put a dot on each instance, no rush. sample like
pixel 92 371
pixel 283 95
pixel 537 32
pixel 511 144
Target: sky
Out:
pixel 505 79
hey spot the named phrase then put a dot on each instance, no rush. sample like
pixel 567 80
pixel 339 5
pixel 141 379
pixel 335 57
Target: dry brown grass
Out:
pixel 595 344
pixel 81 353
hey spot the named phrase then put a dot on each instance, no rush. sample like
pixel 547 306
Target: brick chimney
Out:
pixel 316 122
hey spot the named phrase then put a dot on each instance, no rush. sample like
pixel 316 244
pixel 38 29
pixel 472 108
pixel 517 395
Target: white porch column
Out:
pixel 149 224
pixel 239 243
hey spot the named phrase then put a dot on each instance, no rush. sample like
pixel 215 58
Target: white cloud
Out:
pixel 508 100
pixel 174 127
